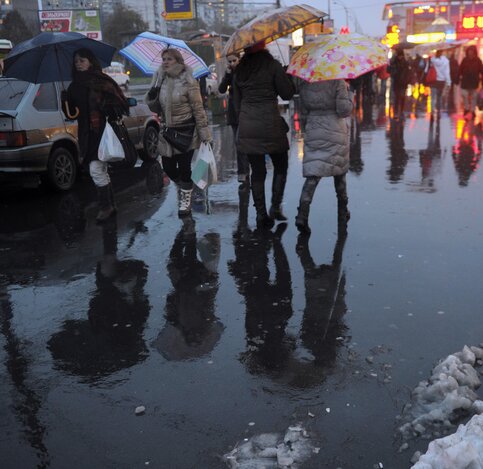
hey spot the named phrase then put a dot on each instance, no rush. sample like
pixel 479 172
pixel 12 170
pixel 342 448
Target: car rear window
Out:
pixel 11 93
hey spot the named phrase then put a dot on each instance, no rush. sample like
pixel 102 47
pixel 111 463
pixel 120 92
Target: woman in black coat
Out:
pixel 259 80
pixel 94 97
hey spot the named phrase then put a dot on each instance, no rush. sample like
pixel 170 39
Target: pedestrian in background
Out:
pixel 454 75
pixel 325 107
pixel 178 103
pixel 400 71
pixel 259 80
pixel 443 79
pixel 469 74
pixel 97 98
pixel 243 168
pixel 382 75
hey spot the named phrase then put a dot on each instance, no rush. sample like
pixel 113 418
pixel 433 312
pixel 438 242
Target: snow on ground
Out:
pixel 461 450
pixel 447 396
pixel 273 450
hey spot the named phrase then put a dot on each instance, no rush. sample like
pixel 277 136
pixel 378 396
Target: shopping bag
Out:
pixel 204 170
pixel 110 147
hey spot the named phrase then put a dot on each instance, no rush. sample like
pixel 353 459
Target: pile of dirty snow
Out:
pixel 273 450
pixel 461 450
pixel 448 395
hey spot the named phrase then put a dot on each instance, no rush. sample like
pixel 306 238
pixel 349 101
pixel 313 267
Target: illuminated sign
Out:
pixel 178 10
pixel 392 36
pixel 470 24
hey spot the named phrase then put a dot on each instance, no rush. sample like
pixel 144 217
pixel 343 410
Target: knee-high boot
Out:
pixel 106 208
pixel 302 218
pixel 278 188
pixel 343 214
pixel 258 193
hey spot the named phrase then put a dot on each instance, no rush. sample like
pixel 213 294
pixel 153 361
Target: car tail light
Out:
pixel 13 139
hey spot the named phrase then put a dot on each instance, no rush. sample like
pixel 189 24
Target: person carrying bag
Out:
pixel 175 96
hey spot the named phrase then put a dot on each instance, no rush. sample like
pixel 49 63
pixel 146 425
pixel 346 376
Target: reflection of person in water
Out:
pixel 399 157
pixel 467 153
pixel 324 301
pixel 192 330
pixel 268 302
pixel 432 154
pixel 112 338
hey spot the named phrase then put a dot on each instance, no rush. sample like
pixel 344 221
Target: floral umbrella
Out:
pixel 337 56
pixel 271 26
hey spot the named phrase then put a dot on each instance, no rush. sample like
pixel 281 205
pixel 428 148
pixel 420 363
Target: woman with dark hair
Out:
pixel 179 104
pixel 258 82
pixel 92 98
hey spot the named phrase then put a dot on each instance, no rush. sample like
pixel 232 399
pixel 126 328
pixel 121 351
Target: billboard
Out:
pixel 87 22
pixel 178 10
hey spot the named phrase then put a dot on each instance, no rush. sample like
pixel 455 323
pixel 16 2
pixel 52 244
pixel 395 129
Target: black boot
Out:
pixel 302 218
pixel 278 188
pixel 111 198
pixel 258 192
pixel 343 214
pixel 105 207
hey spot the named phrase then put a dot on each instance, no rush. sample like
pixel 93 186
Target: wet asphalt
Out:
pixel 222 332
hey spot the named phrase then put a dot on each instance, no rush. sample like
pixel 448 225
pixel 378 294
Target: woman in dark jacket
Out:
pixel 243 169
pixel 469 75
pixel 259 80
pixel 400 72
pixel 92 98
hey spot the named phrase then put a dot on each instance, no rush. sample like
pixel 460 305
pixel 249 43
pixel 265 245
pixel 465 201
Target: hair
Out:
pixel 175 54
pixel 234 54
pixel 89 55
pixel 251 63
pixel 439 53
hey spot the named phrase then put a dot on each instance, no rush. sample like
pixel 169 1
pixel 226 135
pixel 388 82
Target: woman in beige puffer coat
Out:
pixel 178 103
pixel 325 106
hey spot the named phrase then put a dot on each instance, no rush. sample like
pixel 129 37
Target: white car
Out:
pixel 116 71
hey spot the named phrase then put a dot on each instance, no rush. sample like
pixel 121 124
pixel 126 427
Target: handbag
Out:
pixel 180 136
pixel 204 170
pixel 430 76
pixel 110 147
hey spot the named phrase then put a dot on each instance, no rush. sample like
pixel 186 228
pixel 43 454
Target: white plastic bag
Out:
pixel 204 166
pixel 110 147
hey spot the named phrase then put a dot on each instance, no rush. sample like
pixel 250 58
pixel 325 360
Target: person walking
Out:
pixel 175 96
pixel 93 98
pixel 259 80
pixel 400 71
pixel 325 107
pixel 469 74
pixel 443 78
pixel 243 168
pixel 454 75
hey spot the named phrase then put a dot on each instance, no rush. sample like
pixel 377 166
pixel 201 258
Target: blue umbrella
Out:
pixel 49 57
pixel 146 49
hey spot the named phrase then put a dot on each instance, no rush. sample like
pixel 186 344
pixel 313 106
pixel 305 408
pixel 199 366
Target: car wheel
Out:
pixel 150 143
pixel 61 170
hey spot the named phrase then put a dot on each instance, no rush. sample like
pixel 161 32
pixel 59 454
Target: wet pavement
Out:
pixel 222 332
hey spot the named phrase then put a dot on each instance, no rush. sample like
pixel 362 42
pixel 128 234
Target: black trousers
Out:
pixel 178 168
pixel 259 169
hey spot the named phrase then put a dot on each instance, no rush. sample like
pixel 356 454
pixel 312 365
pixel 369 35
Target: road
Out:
pixel 221 332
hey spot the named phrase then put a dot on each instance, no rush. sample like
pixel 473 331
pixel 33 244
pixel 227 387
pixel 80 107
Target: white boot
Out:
pixel 184 201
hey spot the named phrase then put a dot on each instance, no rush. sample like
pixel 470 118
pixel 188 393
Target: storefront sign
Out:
pixel 470 24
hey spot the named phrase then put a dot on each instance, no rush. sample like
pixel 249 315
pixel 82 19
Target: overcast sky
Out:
pixel 367 12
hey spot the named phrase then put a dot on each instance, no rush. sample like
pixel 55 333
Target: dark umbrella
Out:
pixel 48 57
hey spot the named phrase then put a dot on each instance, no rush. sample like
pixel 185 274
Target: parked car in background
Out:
pixel 212 81
pixel 36 137
pixel 117 72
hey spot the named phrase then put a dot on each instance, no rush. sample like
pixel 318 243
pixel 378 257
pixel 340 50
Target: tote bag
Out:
pixel 110 147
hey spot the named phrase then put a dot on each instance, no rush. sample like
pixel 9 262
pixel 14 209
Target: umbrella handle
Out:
pixel 69 114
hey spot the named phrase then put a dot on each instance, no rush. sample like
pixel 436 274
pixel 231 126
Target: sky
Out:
pixel 367 12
